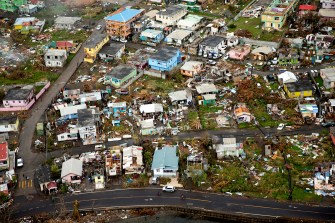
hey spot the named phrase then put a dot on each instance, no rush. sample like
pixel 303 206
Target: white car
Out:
pixel 281 126
pixel 170 189
pixel 19 162
pixel 99 27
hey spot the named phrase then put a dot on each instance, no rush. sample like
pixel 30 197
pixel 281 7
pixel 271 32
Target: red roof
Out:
pixel 52 185
pixel 62 44
pixel 307 7
pixel 3 151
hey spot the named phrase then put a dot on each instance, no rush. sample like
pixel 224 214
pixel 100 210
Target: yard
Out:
pixel 27 74
pixel 206 115
pixel 254 26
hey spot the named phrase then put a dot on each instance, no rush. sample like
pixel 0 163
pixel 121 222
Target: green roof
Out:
pixel 165 158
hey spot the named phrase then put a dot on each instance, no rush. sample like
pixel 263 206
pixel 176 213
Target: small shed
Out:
pixel 40 129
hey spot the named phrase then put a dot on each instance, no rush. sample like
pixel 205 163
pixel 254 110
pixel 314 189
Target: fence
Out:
pixel 155 74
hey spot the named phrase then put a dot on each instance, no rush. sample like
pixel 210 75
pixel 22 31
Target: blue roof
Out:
pixel 165 158
pixel 125 15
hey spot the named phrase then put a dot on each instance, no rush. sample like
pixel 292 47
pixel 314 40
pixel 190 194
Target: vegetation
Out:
pixel 254 27
pixel 27 73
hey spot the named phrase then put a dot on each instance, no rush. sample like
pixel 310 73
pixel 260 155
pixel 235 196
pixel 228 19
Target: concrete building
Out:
pixel 190 22
pixel 93 46
pixel 120 75
pixel 9 124
pixel 165 162
pixel 178 37
pixel 171 15
pixel 119 23
pixel 327 4
pixel 63 22
pixel 113 51
pixel 152 36
pixel 211 44
pixel 88 120
pixel 165 59
pixel 328 77
pixel 191 68
pixel 72 171
pixel 275 15
pixel 55 58
pixel 19 97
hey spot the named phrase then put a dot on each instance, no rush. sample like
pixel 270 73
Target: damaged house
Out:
pixel 207 94
pixel 226 147
pixel 132 161
pixel 88 125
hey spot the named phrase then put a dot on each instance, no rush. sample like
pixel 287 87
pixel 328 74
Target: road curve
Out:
pixel 207 201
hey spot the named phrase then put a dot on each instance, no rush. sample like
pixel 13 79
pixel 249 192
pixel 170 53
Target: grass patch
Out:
pixel 299 194
pixel 76 36
pixel 159 85
pixel 319 81
pixel 254 26
pixel 33 76
pixel 205 112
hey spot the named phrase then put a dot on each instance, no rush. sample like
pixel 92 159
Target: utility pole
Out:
pixel 46 135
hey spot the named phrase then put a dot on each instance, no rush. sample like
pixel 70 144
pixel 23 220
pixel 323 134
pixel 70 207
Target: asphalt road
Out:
pixel 149 197
pixel 32 160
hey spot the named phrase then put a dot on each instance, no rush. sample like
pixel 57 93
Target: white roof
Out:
pixel 332 102
pixel 148 123
pixel 329 73
pixel 71 109
pixel 93 96
pixel 209 97
pixel 55 52
pixel 287 77
pixel 72 166
pixel 129 153
pixel 189 21
pixel 191 65
pixel 179 95
pixel 179 34
pixel 151 33
pixel 206 88
pixel 116 104
pixel 262 49
pixel 151 108
pixel 327 13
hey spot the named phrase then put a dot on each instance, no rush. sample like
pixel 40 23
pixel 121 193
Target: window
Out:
pixel 6 126
pixel 48 57
pixel 276 18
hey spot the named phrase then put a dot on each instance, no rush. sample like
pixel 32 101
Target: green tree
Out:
pixel 55 171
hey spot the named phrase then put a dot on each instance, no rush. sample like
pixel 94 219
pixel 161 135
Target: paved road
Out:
pixel 209 201
pixel 32 160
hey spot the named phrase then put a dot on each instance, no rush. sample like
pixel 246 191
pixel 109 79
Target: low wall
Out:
pixel 154 74
pixel 43 90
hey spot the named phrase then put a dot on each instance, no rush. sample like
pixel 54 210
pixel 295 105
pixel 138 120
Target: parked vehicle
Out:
pixel 122 91
pixel 170 189
pixel 154 180
pixel 281 126
pixel 99 27
pixel 19 162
